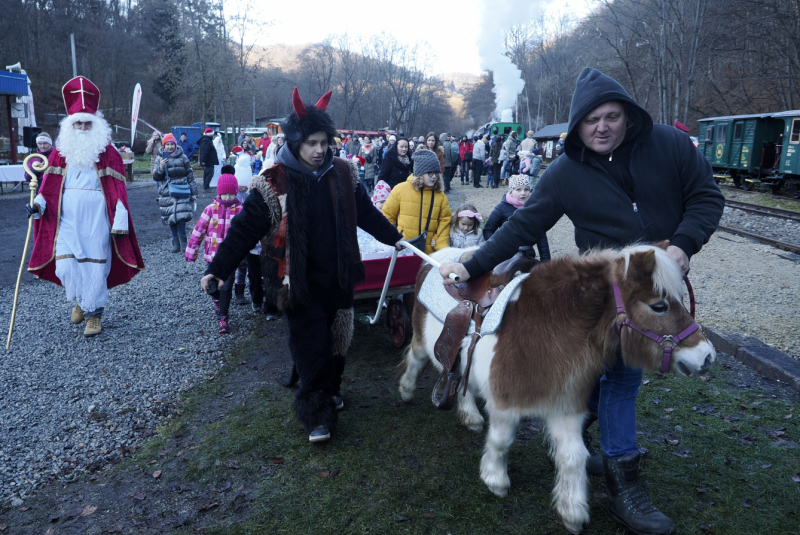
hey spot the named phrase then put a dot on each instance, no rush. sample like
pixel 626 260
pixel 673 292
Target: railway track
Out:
pixel 763 210
pixel 762 239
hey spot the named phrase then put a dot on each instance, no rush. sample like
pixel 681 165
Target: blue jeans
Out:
pixel 614 401
pixel 178 229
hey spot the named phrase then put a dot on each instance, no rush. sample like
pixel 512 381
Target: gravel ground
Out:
pixel 69 402
pixel 740 286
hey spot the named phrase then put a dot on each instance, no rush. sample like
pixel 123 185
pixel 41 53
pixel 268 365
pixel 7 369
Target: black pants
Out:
pixel 225 294
pixel 252 270
pixel 496 173
pixel 447 177
pixel 208 174
pixel 477 172
pixel 311 344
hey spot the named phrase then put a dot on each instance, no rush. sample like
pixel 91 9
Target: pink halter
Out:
pixel 673 340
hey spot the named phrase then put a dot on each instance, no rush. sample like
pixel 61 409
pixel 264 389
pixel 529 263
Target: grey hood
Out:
pixel 286 158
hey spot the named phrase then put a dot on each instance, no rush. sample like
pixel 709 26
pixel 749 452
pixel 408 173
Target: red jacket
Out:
pixel 126 260
pixel 464 147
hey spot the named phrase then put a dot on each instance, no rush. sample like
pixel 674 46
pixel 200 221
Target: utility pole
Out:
pixel 74 64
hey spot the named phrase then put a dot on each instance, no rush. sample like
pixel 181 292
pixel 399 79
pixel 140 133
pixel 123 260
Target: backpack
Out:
pixel 455 152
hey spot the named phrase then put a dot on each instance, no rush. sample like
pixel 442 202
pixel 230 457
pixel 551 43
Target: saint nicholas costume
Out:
pixel 83 234
pixel 306 221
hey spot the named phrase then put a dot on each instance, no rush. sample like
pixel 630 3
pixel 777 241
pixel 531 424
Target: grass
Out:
pixel 762 199
pixel 396 468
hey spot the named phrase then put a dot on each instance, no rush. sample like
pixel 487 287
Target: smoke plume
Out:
pixel 497 17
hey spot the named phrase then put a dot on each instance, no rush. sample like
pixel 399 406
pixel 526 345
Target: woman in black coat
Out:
pixel 397 165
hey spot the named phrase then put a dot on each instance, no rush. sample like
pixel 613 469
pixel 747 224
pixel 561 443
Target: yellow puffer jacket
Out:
pixel 402 209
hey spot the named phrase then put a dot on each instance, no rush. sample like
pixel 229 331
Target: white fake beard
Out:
pixel 82 148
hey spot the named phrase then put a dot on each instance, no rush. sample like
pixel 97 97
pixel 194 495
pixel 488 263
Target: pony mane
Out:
pixel 667 276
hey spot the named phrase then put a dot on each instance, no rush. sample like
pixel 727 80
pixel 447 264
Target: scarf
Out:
pixel 516 203
pixel 405 160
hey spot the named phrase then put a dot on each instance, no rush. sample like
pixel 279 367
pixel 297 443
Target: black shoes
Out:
pixel 320 434
pixel 628 503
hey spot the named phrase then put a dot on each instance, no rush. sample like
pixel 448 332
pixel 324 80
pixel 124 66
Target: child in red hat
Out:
pixel 212 226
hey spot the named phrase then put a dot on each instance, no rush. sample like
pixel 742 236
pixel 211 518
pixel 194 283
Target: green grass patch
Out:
pixel 720 459
pixel 762 199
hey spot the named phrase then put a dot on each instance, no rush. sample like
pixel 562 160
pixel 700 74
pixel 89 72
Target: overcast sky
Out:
pixel 451 27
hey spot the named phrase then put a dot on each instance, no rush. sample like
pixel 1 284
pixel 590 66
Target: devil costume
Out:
pixel 306 222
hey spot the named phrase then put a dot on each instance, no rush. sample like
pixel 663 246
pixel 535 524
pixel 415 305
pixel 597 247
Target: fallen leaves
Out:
pixel 276 460
pixel 672 442
pixel 232 463
pixel 116 529
pixel 796 478
pixel 400 518
pixel 89 509
pixel 683 453
pixel 139 496
pixel 156 474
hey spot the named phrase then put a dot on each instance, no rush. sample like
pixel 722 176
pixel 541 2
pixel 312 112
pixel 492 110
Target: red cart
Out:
pixel 390 277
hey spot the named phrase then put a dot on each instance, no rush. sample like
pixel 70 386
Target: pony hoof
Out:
pixel 500 492
pixel 406 396
pixel 475 428
pixel 575 529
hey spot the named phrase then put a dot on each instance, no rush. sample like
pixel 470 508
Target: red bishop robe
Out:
pixel 126 259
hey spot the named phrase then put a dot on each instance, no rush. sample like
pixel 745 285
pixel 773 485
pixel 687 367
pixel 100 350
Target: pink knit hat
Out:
pixel 227 183
pixel 381 193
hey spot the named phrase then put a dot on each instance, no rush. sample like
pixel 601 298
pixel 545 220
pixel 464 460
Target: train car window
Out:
pixel 722 132
pixel 737 131
pixel 494 130
pixel 506 130
pixel 794 139
pixel 709 133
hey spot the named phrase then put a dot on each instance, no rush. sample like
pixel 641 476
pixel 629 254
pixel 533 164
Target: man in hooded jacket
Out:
pixel 623 180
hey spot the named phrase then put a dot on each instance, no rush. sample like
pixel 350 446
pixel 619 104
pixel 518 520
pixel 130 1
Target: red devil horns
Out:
pixel 322 103
pixel 297 103
pixel 300 108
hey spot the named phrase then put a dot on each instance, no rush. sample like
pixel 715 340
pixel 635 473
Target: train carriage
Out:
pixel 752 149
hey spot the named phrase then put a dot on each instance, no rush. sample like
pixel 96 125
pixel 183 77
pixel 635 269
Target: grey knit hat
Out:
pixel 425 161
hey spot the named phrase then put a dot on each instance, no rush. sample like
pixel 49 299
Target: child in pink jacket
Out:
pixel 212 226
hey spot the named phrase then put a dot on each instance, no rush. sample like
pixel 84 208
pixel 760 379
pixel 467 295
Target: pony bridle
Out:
pixel 667 342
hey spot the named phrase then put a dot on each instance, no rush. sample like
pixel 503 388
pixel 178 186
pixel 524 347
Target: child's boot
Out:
pixel 223 324
pixel 238 290
pixel 175 246
pixel 182 242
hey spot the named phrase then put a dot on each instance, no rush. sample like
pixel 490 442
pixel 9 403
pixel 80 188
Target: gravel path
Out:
pixel 70 403
pixel 740 286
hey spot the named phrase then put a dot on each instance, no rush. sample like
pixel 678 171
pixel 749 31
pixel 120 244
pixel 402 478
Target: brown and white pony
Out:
pixel 557 335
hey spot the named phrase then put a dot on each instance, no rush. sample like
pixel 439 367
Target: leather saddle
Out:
pixel 474 297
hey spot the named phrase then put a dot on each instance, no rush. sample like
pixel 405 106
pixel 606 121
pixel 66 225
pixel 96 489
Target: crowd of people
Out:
pixel 299 202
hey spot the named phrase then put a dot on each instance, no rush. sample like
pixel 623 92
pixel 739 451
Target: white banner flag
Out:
pixel 137 99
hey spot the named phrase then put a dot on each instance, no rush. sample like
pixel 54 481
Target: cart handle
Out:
pixel 428 259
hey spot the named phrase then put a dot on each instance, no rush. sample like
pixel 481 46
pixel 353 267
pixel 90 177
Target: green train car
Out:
pixel 760 148
pixel 493 129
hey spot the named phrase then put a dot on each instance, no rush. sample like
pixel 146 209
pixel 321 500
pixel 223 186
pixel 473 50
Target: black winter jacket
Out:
pixel 501 213
pixel 672 196
pixel 207 153
pixel 394 172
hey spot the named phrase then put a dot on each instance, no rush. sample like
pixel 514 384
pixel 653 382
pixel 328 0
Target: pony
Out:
pixel 561 328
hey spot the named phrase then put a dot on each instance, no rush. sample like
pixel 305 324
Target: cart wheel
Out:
pixel 397 322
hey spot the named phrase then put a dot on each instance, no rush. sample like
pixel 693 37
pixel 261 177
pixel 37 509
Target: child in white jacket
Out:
pixel 465 227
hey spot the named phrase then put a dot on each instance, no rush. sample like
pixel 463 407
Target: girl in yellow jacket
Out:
pixel 410 202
